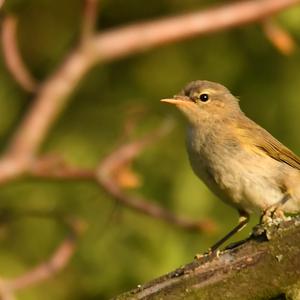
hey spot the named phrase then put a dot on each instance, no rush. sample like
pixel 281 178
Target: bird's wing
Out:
pixel 261 141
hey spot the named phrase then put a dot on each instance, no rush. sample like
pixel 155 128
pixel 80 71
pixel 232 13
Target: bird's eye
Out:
pixel 204 97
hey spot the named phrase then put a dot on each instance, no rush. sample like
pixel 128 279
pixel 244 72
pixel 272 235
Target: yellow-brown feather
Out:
pixel 262 142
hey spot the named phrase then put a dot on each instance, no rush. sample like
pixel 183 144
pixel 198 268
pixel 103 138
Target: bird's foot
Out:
pixel 272 216
pixel 270 220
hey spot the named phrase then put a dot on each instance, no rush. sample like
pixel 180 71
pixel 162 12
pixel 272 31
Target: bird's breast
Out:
pixel 213 159
pixel 242 179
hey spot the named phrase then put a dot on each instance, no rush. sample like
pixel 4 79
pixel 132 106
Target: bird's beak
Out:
pixel 184 104
pixel 177 100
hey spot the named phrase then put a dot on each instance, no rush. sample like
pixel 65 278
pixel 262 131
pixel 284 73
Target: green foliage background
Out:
pixel 122 248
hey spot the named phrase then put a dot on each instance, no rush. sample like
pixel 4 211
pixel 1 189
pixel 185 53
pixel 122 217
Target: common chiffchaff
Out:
pixel 238 160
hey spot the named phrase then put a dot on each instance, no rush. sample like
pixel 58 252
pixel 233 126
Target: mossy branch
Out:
pixel 263 267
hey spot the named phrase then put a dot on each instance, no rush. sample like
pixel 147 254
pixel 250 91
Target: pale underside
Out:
pixel 251 173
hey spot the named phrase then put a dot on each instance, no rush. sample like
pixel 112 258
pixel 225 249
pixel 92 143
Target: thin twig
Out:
pixel 104 176
pixel 51 267
pixel 127 152
pixel 50 101
pixel 279 37
pixel 56 168
pixel 89 19
pixel 1 3
pixel 12 56
pixel 139 204
pixel 48 269
pixel 148 207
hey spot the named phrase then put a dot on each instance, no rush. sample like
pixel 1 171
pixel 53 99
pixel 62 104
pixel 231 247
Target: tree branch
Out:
pixel 49 268
pixel 126 153
pixel 1 3
pixel 89 19
pixel 271 266
pixel 125 41
pixel 105 176
pixel 12 56
pixel 52 97
pixel 148 207
pixel 280 38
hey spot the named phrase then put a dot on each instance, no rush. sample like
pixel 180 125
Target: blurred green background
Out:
pixel 122 248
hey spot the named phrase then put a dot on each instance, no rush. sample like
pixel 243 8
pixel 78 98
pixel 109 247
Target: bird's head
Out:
pixel 204 100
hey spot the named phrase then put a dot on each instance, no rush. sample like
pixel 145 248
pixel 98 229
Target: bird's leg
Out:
pixel 243 221
pixel 275 210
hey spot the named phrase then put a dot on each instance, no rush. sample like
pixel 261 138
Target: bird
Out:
pixel 238 160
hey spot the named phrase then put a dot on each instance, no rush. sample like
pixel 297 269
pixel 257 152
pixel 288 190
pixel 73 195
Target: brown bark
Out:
pixel 263 267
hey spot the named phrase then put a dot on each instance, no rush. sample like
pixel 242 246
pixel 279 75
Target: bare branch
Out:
pixel 1 3
pixel 47 269
pixel 121 157
pixel 55 168
pixel 5 292
pixel 12 56
pixel 280 38
pixel 149 208
pixel 57 261
pixel 126 41
pixel 52 97
pixel 139 204
pixel 50 101
pixel 128 152
pixel 89 19
pixel 50 268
